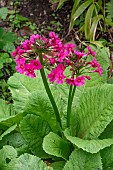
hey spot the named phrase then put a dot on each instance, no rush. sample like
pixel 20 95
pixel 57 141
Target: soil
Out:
pixel 45 15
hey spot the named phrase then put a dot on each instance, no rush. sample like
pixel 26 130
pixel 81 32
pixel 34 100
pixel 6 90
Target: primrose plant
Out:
pixel 40 52
pixel 66 132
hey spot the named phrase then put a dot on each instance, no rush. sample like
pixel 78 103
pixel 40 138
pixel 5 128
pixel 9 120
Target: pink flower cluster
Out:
pixel 57 57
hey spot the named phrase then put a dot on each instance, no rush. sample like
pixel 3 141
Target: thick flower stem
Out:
pixel 70 100
pixel 50 96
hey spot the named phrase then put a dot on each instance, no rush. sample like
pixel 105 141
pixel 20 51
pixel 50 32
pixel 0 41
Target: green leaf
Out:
pixel 30 162
pixel 4 59
pixel 21 88
pixel 61 3
pixel 81 160
pixel 39 104
pixel 9 130
pixel 95 111
pixel 7 37
pixel 94 26
pixel 91 146
pixel 17 141
pixel 8 157
pixel 34 129
pixel 55 145
pixel 108 132
pixel 7 114
pixel 76 3
pixel 6 110
pixel 9 47
pixel 78 12
pixel 30 97
pixel 88 19
pixel 107 158
pixel 3 13
pixel 58 165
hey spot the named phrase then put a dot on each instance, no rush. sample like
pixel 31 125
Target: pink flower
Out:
pixel 99 71
pixel 93 63
pixel 62 55
pixel 90 51
pixel 79 54
pixel 20 67
pixel 69 47
pixel 79 81
pixel 52 76
pixel 26 45
pixel 52 60
pixel 57 74
pixel 36 65
pixel 70 81
pixel 29 69
pixel 87 77
pixel 34 37
pixel 59 78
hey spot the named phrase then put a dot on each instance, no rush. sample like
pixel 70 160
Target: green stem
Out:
pixel 50 94
pixel 69 106
pixel 70 100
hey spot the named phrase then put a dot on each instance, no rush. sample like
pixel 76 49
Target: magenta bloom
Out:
pixel 79 81
pixel 36 65
pixel 29 69
pixel 70 81
pixel 20 67
pixel 99 71
pixel 90 51
pixel 52 75
pixel 79 54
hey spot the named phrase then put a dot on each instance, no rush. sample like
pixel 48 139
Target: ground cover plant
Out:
pixel 62 112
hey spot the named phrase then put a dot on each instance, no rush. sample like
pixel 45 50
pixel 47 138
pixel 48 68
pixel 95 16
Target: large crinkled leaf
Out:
pixel 92 146
pixel 95 111
pixel 81 160
pixel 21 88
pixel 30 97
pixel 30 162
pixel 8 157
pixel 107 158
pixel 39 104
pixel 55 145
pixel 34 129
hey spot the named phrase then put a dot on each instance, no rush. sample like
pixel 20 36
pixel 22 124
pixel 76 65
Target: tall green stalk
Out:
pixel 44 79
pixel 70 101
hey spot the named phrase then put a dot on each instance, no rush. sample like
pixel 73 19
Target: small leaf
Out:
pixel 30 162
pixel 9 47
pixel 34 129
pixel 55 145
pixel 81 160
pixel 3 13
